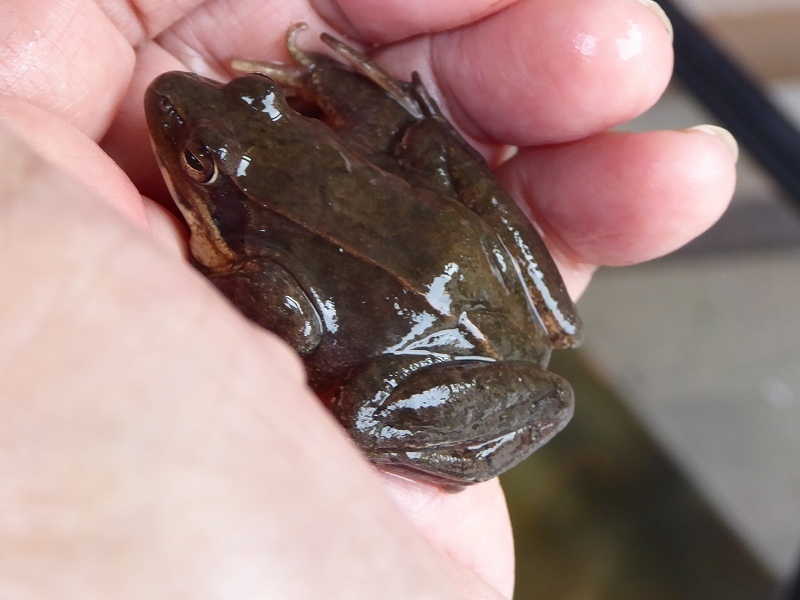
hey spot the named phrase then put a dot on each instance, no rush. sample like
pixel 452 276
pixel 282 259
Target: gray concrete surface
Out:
pixel 705 349
pixel 707 353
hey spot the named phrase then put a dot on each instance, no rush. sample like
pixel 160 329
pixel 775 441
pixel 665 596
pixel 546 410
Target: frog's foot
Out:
pixel 453 423
pixel 288 75
pixel 361 63
pixel 424 98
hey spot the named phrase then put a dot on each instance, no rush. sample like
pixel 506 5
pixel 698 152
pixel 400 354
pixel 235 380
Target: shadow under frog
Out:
pixel 422 301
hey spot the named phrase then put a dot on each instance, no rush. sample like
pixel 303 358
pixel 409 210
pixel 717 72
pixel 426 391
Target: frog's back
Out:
pixel 391 266
pixel 405 262
pixel 452 305
pixel 378 217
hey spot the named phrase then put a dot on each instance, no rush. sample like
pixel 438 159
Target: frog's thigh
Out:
pixel 269 295
pixel 455 422
pixel 424 153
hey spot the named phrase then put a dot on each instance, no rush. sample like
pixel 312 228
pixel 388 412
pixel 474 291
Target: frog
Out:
pixel 402 286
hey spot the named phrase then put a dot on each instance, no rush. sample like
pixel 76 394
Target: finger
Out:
pixel 74 58
pixel 622 198
pixel 127 141
pixel 472 526
pixel 544 71
pixel 65 57
pixel 381 21
pixel 62 145
pixel 140 20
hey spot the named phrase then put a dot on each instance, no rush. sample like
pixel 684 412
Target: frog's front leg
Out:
pixel 268 294
pixel 454 422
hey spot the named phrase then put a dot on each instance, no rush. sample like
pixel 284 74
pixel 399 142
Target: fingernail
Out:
pixel 722 134
pixel 656 9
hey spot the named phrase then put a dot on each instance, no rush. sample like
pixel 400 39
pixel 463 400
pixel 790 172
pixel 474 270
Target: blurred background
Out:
pixel 679 477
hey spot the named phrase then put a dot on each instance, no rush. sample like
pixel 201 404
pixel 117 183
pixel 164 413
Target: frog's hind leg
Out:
pixel 361 63
pixel 288 75
pixel 454 422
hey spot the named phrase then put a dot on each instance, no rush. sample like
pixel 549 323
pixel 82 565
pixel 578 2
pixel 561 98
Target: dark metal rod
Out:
pixel 737 102
pixel 792 589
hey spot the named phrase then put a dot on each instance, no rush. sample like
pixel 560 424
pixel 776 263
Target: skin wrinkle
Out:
pixel 438 88
pixel 19 50
pixel 414 26
pixel 192 51
pixel 139 32
pixel 73 43
pixel 221 65
pixel 182 39
pixel 145 27
pixel 338 14
pixel 454 107
pixel 40 65
pixel 154 28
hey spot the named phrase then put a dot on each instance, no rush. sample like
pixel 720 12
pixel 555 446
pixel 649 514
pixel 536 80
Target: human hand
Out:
pixel 134 373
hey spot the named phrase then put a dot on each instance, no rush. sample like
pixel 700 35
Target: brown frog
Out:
pixel 423 303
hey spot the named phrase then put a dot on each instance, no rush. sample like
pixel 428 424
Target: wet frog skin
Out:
pixel 398 127
pixel 423 304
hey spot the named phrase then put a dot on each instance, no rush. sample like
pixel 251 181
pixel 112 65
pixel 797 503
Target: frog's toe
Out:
pixel 299 55
pixel 423 97
pixel 460 422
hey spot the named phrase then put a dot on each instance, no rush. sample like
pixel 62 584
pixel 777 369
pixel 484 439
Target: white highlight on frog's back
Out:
pixel 489 448
pixel 466 323
pixel 435 396
pixel 327 308
pixel 269 107
pixel 438 296
pixel 241 169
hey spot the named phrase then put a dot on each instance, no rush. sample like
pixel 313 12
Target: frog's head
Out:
pixel 202 133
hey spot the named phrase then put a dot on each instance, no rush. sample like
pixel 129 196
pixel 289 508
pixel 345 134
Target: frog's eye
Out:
pixel 198 162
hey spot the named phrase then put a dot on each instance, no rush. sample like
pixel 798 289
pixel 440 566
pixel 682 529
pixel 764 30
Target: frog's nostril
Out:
pixel 170 116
